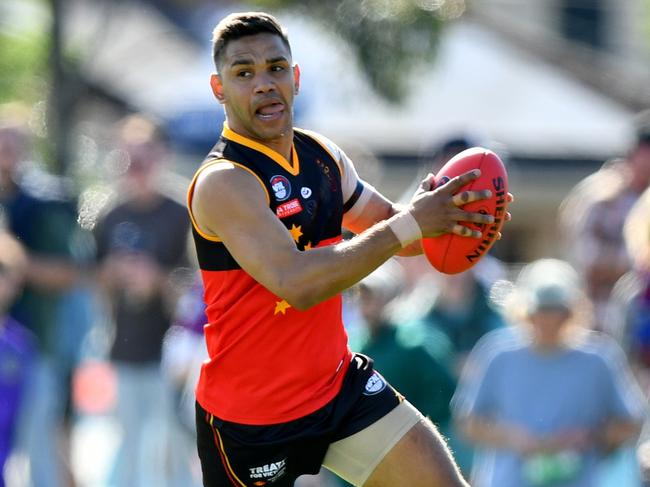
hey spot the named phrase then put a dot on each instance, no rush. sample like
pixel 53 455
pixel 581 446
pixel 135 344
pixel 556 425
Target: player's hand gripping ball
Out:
pixel 451 253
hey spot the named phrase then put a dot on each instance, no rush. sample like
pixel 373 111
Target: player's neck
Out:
pixel 281 144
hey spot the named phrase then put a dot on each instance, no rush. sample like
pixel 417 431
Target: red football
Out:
pixel 451 253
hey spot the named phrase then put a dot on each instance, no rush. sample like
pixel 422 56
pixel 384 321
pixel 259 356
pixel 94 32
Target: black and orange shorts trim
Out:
pixel 276 455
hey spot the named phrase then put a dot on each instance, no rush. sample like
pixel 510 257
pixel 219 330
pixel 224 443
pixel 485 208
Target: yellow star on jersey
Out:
pixel 296 232
pixel 281 307
pixel 308 246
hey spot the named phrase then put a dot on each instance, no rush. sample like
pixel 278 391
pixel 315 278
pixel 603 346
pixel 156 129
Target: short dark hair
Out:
pixel 243 24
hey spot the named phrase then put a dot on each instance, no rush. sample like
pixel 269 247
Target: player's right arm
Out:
pixel 229 203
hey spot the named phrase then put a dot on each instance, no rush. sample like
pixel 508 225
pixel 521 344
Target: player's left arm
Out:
pixel 375 208
pixel 363 205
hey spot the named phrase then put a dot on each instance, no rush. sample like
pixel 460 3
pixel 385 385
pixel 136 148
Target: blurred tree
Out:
pixel 64 94
pixel 389 37
pixel 24 52
pixel 32 72
pixel 23 62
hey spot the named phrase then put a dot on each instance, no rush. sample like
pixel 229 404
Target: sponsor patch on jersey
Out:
pixel 269 472
pixel 305 192
pixel 375 385
pixel 281 187
pixel 289 208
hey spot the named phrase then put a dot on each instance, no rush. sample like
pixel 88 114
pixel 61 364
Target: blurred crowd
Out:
pixel 537 373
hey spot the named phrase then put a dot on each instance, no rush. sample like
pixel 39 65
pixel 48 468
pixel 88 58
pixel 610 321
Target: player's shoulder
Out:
pixel 220 171
pixel 324 141
pixel 221 178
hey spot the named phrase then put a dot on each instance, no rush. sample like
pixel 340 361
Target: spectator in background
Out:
pixel 141 243
pixel 630 312
pixel 415 360
pixel 460 309
pixel 458 304
pixel 449 148
pixel 17 345
pixel 40 213
pixel 592 218
pixel 544 404
pixel 457 308
pixel 182 355
pixel 184 351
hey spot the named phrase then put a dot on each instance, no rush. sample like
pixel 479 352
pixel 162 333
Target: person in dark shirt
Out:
pixel 38 209
pixel 141 242
pixel 412 357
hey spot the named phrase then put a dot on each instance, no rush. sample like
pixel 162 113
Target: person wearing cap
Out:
pixel 594 212
pixel 547 400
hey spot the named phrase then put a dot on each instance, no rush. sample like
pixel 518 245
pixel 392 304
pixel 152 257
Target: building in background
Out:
pixel 554 83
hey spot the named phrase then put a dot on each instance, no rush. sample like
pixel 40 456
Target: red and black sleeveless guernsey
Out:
pixel 270 363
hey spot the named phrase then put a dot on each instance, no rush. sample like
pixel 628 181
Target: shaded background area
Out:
pixel 553 84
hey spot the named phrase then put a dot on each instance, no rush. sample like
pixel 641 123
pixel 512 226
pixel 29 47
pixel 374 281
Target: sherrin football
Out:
pixel 451 253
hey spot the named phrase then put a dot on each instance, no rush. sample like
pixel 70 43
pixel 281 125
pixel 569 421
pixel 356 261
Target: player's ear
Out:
pixel 296 79
pixel 217 88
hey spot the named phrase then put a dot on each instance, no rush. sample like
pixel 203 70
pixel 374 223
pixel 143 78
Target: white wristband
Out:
pixel 406 228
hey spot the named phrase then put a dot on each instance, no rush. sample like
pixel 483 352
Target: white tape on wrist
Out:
pixel 406 228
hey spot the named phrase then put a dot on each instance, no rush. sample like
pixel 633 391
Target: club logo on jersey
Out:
pixel 269 472
pixel 375 385
pixel 281 187
pixel 289 208
pixel 305 192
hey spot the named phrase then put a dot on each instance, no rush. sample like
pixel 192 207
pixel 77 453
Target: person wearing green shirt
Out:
pixel 414 358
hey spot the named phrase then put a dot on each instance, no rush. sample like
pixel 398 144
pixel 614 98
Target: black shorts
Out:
pixel 276 455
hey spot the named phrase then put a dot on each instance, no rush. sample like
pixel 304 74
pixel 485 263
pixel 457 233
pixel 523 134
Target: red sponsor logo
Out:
pixel 289 208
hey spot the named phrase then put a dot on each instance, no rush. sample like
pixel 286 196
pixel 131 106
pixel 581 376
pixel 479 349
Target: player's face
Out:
pixel 257 84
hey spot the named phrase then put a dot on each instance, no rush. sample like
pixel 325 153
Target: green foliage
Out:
pixel 23 67
pixel 388 37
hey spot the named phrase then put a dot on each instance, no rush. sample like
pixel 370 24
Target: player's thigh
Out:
pixel 420 459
